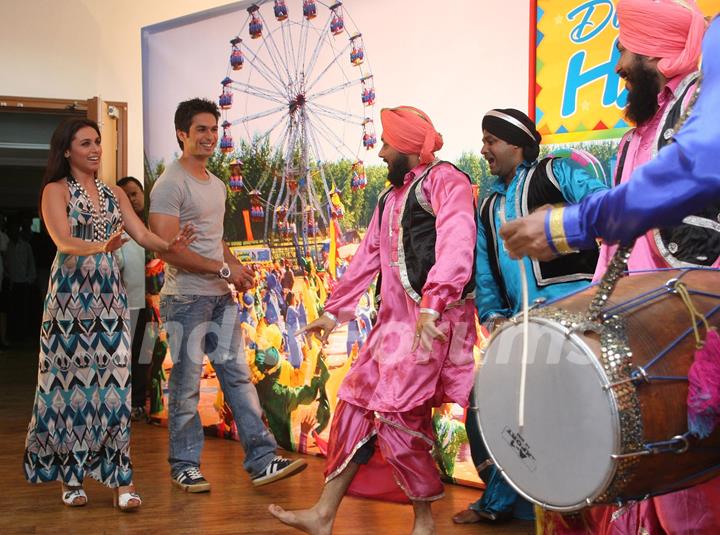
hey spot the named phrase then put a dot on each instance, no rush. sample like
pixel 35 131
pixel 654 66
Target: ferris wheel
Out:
pixel 298 80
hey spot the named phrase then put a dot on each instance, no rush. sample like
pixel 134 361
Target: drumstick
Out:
pixel 523 362
pixel 523 365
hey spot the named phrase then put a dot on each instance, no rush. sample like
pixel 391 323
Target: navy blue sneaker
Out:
pixel 190 479
pixel 279 468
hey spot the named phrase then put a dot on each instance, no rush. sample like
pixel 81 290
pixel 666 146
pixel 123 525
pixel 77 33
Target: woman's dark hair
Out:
pixel 58 166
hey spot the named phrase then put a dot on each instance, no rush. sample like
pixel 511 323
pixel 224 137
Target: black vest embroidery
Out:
pixel 416 242
pixel 695 241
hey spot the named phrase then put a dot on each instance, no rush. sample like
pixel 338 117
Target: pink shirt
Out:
pixel 642 142
pixel 387 375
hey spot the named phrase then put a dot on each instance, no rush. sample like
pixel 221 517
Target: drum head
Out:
pixel 561 459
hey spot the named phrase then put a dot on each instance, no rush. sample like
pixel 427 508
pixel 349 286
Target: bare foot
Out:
pixel 307 520
pixel 423 529
pixel 424 524
pixel 468 516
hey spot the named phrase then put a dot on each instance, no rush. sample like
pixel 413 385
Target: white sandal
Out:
pixel 74 496
pixel 127 501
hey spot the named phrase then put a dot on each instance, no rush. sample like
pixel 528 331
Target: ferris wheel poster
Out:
pixel 294 83
pixel 296 92
pixel 575 92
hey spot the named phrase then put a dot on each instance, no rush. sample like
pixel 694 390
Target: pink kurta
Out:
pixel 388 376
pixel 643 140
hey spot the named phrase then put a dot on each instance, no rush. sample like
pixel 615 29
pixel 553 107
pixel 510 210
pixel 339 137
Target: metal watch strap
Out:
pixel 224 272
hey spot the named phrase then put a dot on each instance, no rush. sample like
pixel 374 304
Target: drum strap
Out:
pixel 695 316
pixel 615 270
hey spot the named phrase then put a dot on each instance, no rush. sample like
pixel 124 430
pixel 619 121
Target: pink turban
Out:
pixel 668 29
pixel 410 131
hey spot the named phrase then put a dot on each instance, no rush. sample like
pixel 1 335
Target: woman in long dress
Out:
pixel 80 423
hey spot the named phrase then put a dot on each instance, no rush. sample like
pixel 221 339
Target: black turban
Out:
pixel 514 127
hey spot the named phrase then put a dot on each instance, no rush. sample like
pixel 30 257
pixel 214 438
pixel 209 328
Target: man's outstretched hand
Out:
pixel 321 327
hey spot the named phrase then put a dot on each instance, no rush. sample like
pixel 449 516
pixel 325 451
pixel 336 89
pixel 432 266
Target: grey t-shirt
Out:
pixel 202 203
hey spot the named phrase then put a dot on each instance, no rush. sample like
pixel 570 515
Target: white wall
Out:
pixel 78 49
pixel 82 48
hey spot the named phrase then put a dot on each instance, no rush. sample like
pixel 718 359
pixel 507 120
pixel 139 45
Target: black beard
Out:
pixel 642 99
pixel 397 169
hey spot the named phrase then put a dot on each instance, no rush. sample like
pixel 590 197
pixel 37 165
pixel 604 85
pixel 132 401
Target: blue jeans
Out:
pixel 199 325
pixel 499 496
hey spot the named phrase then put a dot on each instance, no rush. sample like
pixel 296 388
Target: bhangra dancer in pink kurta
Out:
pixel 419 354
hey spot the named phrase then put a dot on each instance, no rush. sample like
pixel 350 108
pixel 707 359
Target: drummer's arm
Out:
pixel 661 192
pixel 488 299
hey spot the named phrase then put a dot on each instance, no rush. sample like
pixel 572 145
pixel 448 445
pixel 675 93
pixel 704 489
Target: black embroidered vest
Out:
pixel 416 243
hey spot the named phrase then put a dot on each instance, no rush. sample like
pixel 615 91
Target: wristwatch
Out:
pixel 224 272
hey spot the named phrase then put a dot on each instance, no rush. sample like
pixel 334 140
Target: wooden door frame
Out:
pixel 100 111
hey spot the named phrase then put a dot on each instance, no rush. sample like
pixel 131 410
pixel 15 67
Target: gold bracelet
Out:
pixel 557 231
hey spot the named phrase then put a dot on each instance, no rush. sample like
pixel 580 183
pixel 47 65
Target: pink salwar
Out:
pixel 402 467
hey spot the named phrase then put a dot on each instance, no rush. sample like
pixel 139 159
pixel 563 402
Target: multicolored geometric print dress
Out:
pixel 80 422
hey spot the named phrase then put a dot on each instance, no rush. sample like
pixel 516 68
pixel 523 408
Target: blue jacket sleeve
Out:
pixel 574 181
pixel 488 298
pixel 659 194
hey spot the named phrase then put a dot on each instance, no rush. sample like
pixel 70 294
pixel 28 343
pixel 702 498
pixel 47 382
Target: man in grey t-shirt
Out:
pixel 198 309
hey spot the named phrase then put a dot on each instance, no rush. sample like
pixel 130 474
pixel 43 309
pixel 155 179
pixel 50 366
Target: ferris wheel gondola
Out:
pixel 309 9
pixel 236 177
pixel 236 55
pixel 255 27
pixel 337 24
pixel 280 10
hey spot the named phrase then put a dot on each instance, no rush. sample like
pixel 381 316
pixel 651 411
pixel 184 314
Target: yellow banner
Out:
pixel 709 7
pixel 578 95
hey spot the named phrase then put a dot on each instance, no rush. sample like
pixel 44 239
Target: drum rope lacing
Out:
pixel 682 336
pixel 697 318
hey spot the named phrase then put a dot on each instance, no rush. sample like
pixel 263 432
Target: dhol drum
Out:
pixel 605 412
